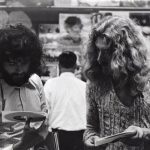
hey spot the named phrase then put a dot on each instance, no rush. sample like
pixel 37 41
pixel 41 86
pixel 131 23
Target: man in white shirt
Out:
pixel 67 104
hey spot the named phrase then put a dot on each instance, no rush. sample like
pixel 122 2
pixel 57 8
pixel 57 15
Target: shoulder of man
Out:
pixel 36 81
pixel 80 82
pixel 52 81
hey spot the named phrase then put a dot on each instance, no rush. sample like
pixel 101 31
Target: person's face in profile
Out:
pixel 15 69
pixel 103 45
pixel 104 52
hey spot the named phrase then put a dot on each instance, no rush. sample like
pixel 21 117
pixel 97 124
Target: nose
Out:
pixel 19 69
pixel 98 57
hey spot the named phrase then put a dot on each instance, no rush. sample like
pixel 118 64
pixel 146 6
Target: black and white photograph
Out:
pixel 74 74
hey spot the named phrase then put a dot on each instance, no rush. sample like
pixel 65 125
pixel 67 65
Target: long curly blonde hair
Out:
pixel 129 63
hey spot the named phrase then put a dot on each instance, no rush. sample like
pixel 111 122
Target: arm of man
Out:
pixel 92 132
pixel 35 79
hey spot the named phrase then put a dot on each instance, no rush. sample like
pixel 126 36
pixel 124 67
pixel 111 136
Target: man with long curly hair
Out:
pixel 118 95
pixel 20 87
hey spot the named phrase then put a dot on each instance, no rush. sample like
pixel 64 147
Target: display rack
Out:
pixel 51 14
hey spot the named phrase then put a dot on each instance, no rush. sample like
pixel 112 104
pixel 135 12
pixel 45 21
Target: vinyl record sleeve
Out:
pixel 22 116
pixel 113 138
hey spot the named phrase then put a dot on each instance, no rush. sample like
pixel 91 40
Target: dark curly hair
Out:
pixel 129 61
pixel 21 41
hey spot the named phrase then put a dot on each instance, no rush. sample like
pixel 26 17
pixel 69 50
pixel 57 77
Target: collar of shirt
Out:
pixel 68 74
pixel 10 88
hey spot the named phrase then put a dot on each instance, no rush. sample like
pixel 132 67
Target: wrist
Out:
pixel 146 134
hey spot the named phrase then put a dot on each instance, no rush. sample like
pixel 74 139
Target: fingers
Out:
pixel 96 138
pixel 27 124
pixel 43 126
pixel 43 130
pixel 138 132
pixel 89 143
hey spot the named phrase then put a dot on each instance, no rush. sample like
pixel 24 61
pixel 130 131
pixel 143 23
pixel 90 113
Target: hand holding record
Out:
pixel 136 138
pixel 114 138
pixel 31 136
pixel 90 143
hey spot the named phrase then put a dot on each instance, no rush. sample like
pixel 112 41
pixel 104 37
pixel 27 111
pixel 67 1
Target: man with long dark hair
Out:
pixel 118 69
pixel 20 87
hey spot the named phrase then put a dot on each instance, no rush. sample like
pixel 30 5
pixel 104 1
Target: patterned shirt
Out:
pixel 107 115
